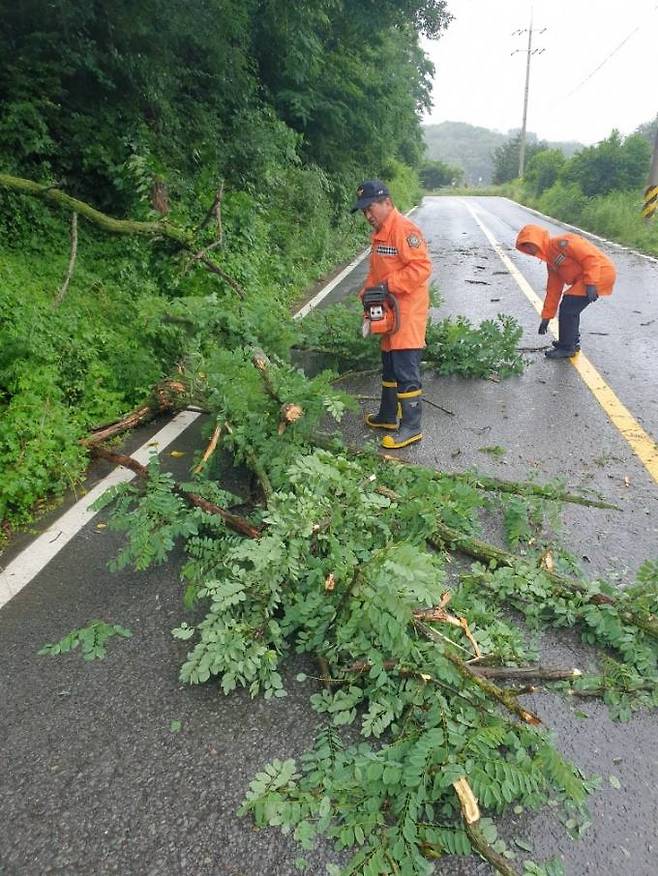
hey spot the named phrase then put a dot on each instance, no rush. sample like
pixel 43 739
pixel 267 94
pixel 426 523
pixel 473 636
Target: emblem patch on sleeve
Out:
pixel 563 244
pixel 414 241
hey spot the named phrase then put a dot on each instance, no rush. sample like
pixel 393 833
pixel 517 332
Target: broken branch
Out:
pixel 503 696
pixel 487 553
pixel 543 673
pixel 209 449
pixel 166 397
pixel 233 521
pixel 161 228
pixel 481 482
pixel 71 266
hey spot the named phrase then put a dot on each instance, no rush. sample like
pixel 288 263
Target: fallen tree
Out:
pixel 341 571
pixel 183 238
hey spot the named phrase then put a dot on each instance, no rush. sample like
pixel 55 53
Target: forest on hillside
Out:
pixel 472 148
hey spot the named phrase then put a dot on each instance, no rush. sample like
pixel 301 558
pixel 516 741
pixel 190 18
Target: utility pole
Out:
pixel 651 193
pixel 529 52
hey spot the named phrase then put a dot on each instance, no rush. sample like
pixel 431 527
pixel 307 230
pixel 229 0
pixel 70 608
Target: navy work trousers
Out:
pixel 569 320
pixel 402 366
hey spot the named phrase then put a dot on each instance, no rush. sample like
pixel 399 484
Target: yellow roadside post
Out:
pixel 651 193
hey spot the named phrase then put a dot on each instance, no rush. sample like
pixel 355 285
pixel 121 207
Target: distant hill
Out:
pixel 471 148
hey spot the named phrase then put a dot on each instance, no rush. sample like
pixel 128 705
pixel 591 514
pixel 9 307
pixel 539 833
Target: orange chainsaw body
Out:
pixel 381 311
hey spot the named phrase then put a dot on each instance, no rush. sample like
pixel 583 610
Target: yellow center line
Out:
pixel 642 444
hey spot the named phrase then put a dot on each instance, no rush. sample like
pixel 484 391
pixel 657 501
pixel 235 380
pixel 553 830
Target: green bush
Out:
pixel 544 169
pixel 614 164
pixel 564 201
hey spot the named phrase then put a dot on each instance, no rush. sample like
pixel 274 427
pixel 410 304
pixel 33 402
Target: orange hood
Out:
pixel 534 234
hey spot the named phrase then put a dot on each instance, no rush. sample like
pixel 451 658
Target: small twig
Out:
pixel 204 252
pixel 504 697
pixel 209 449
pixel 71 266
pixel 325 673
pixel 438 614
pixel 532 349
pixel 348 374
pixel 498 862
pixel 479 481
pixel 428 401
pixel 216 211
pixel 471 818
pixel 215 269
pixel 603 689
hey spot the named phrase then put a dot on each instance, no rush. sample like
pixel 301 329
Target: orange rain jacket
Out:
pixel 399 256
pixel 571 260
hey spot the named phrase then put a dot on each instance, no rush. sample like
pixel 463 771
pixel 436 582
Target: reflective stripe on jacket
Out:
pixel 572 261
pixel 399 256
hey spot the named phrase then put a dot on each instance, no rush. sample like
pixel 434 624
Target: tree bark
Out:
pixel 166 397
pixel 516 673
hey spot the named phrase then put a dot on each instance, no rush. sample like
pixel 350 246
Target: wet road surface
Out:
pixel 94 779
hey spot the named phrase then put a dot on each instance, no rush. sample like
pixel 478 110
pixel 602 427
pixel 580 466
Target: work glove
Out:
pixel 591 293
pixel 543 326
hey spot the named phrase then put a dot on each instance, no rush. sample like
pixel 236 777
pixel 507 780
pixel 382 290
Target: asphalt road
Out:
pixel 92 777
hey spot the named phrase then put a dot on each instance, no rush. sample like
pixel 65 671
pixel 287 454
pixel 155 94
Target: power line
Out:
pixel 607 58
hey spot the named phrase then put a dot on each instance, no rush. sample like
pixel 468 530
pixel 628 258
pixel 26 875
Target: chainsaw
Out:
pixel 381 312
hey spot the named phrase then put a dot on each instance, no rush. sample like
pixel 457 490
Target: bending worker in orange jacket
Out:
pixel 573 261
pixel 400 263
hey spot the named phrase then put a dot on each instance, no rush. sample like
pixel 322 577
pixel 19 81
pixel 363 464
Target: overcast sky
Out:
pixel 479 81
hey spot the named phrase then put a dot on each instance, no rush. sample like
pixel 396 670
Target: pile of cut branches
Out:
pixel 454 345
pixel 345 557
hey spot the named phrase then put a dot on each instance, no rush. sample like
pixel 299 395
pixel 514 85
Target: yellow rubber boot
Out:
pixel 409 431
pixel 387 416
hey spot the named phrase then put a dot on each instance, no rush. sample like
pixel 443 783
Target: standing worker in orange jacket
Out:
pixel 573 261
pixel 399 263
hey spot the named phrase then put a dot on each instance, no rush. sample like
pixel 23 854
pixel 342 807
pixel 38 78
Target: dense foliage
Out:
pixel 96 96
pixel 614 164
pixel 273 111
pixel 506 157
pixel 436 174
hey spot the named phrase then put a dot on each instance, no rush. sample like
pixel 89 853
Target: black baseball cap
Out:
pixel 369 191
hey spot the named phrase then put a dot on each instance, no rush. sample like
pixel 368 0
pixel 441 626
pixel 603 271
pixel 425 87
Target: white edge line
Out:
pixel 41 551
pixel 322 294
pixel 331 285
pixel 552 219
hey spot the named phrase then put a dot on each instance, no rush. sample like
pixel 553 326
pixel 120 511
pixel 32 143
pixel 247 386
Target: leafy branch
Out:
pixel 92 640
